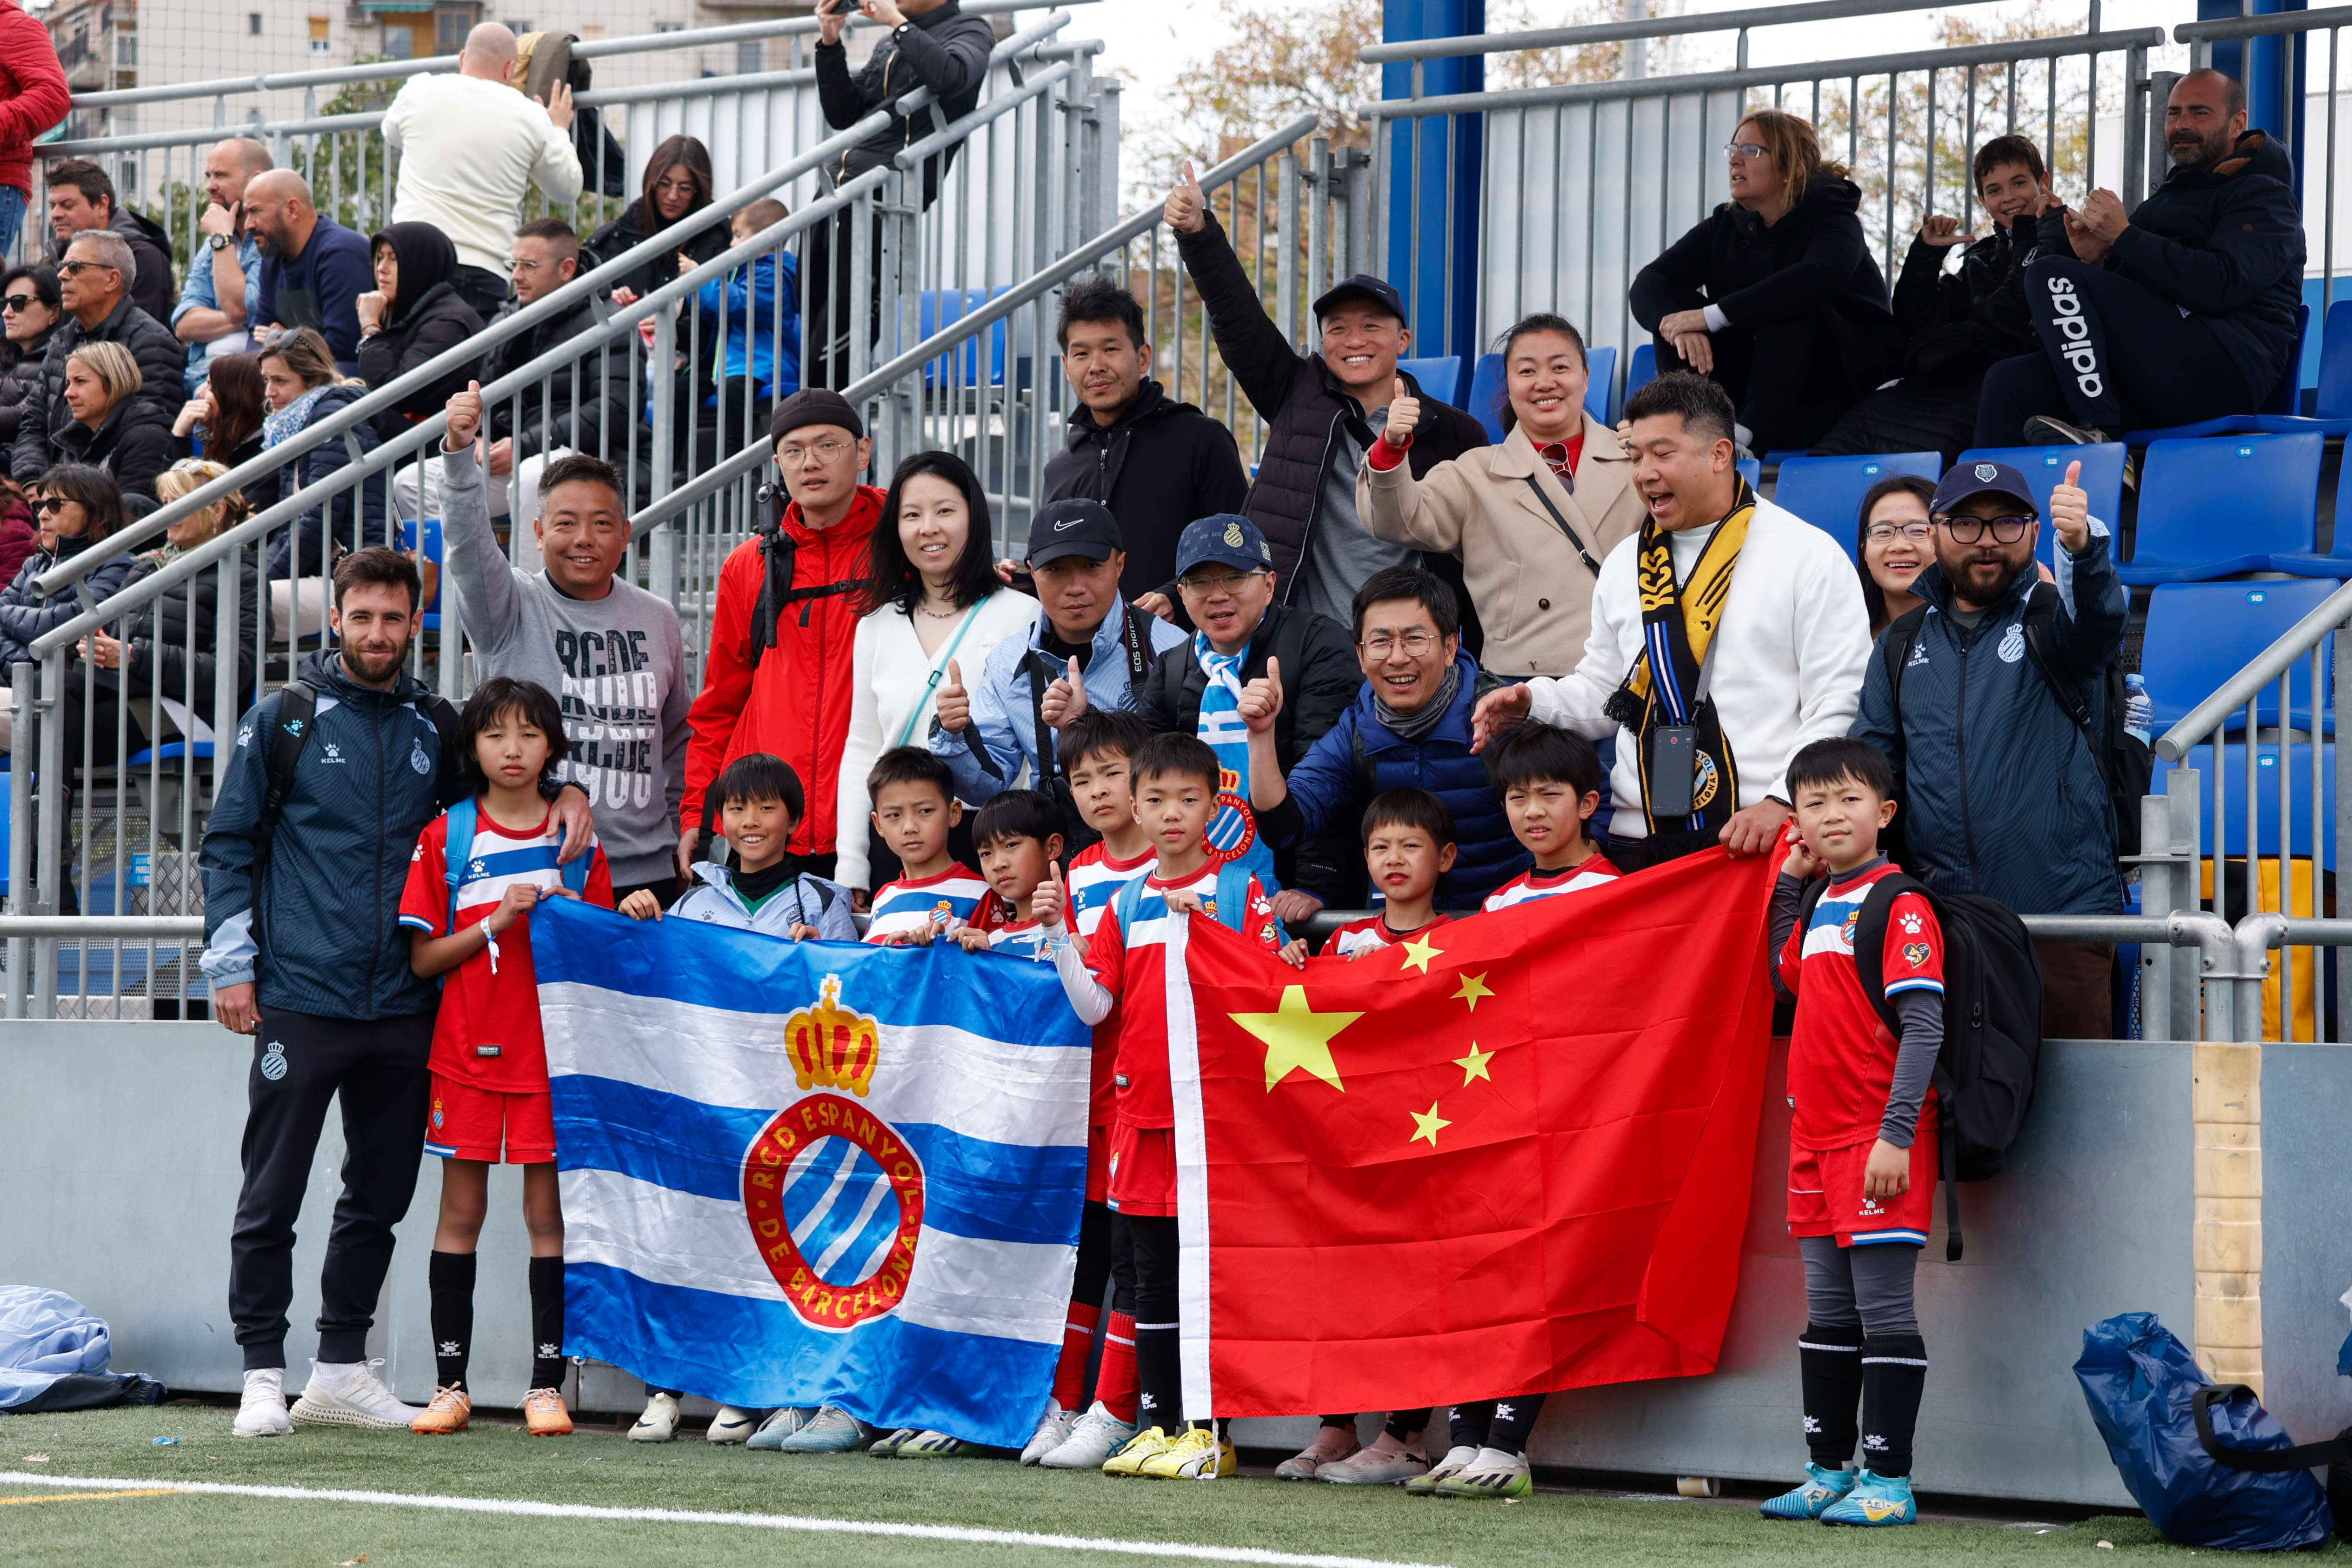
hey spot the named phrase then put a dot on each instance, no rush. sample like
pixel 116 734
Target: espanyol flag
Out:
pixel 814 1172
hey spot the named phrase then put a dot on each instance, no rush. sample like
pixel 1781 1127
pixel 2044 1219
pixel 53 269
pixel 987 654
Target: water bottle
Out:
pixel 2139 711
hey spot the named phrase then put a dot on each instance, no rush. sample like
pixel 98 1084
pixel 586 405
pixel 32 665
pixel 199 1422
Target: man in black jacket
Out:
pixel 1157 463
pixel 931 44
pixel 1322 412
pixel 82 200
pixel 93 283
pixel 1224 571
pixel 2183 310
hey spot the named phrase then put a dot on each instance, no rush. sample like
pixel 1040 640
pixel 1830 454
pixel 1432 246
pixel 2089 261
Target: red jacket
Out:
pixel 795 705
pixel 33 93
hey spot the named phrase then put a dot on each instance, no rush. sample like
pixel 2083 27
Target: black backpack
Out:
pixel 1992 1025
pixel 2126 765
pixel 779 549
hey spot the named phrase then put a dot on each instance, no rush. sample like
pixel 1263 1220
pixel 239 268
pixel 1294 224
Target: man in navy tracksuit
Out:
pixel 2001 794
pixel 2182 312
pixel 316 968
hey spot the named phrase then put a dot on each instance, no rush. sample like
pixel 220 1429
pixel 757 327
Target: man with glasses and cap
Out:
pixel 1975 698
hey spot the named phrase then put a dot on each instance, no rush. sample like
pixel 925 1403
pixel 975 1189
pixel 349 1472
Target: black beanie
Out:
pixel 814 405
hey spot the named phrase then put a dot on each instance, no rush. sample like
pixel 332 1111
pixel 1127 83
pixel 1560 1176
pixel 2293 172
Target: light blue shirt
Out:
pixel 199 290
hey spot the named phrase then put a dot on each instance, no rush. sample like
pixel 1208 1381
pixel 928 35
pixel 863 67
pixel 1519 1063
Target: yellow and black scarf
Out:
pixel 1678 622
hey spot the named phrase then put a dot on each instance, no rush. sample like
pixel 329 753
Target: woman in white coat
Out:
pixel 930 600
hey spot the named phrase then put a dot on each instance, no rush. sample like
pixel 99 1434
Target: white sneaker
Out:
pixel 1093 1437
pixel 351 1394
pixel 780 1425
pixel 1053 1430
pixel 659 1422
pixel 262 1412
pixel 732 1425
pixel 1331 1445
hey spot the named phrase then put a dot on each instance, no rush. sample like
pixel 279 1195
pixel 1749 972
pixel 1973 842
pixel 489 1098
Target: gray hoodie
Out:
pixel 617 665
pixel 806 899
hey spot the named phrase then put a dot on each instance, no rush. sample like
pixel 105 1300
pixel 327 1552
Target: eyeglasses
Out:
pixel 1223 582
pixel 1969 530
pixel 1416 645
pixel 1745 149
pixel 18 302
pixel 47 504
pixel 823 452
pixel 1918 531
pixel 75 269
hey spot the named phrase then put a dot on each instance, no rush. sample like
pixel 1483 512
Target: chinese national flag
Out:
pixel 1510 1157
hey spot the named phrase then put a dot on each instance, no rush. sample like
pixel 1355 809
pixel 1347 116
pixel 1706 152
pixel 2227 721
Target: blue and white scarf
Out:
pixel 289 421
pixel 1222 727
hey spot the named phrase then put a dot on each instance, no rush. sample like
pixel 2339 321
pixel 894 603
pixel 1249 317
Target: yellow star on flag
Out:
pixel 1475 1065
pixel 1426 1123
pixel 1296 1036
pixel 1473 988
pixel 1417 955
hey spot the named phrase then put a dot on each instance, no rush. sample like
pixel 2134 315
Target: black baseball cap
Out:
pixel 1969 479
pixel 1226 537
pixel 1361 286
pixel 1073 527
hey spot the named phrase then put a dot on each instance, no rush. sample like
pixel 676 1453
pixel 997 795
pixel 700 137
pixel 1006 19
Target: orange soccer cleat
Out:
pixel 450 1411
pixel 544 1416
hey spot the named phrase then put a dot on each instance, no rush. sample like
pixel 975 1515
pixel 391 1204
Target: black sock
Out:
pixel 1468 1423
pixel 1159 1378
pixel 547 1322
pixel 1403 1424
pixel 449 1276
pixel 1514 1419
pixel 1894 1375
pixel 1347 1421
pixel 1829 1367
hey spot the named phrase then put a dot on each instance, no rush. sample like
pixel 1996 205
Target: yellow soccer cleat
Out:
pixel 1129 1458
pixel 1196 1455
pixel 543 1414
pixel 449 1412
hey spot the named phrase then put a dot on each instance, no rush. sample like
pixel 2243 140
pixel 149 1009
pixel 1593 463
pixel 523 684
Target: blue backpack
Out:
pixel 460 817
pixel 1233 896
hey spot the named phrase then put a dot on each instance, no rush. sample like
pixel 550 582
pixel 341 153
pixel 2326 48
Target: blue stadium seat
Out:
pixel 1485 400
pixel 1827 491
pixel 2045 467
pixel 1752 470
pixel 2201 634
pixel 2209 507
pixel 2267 769
pixel 1641 368
pixel 170 752
pixel 936 309
pixel 431 528
pixel 1440 376
pixel 2282 399
pixel 1602 364
pixel 1784 454
pixel 2331 413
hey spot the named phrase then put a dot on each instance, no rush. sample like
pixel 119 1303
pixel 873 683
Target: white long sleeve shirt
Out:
pixel 470 149
pixel 1785 668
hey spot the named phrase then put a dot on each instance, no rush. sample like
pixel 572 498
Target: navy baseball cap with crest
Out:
pixel 1976 479
pixel 1076 526
pixel 1227 537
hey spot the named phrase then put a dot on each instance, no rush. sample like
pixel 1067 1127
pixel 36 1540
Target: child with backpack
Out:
pixel 477 871
pixel 1862 1136
pixel 761 805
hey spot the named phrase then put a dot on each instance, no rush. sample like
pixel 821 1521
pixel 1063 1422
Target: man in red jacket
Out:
pixel 33 98
pixel 778 677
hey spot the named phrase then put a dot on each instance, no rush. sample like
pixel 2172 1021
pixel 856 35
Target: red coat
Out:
pixel 795 705
pixel 33 93
pixel 18 540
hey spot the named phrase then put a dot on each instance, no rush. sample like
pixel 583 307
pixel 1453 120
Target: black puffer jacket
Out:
pixel 628 230
pixel 1159 465
pixel 355 516
pixel 440 323
pixel 1958 323
pixel 1813 259
pixel 157 634
pixel 26 613
pixel 131 443
pixel 1305 410
pixel 944 50
pixel 602 401
pixel 161 357
pixel 16 385
pixel 1321 678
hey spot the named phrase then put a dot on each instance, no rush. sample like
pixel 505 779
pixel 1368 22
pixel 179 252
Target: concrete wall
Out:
pixel 120 1173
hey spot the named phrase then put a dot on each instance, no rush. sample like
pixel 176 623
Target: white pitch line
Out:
pixel 748 1520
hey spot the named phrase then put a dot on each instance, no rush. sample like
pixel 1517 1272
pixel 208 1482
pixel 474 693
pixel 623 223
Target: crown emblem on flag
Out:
pixel 832 1046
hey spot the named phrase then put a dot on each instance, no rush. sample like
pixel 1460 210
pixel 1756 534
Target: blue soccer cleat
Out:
pixel 1823 1489
pixel 1875 1499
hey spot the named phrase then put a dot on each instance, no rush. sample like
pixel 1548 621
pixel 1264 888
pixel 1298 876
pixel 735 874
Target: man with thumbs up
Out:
pixel 1997 703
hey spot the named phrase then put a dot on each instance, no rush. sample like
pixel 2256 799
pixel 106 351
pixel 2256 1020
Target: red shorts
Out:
pixel 1825 1188
pixel 470 1123
pixel 1142 1177
pixel 1098 1161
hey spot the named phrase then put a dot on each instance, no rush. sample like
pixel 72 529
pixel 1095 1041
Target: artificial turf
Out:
pixel 599 1467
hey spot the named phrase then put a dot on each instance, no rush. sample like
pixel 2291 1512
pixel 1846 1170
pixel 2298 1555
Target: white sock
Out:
pixel 337 1371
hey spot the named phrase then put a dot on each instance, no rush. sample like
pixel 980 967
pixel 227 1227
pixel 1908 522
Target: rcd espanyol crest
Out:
pixel 834 1196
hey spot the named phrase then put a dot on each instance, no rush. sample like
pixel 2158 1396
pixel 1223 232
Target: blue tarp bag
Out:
pixel 53 1356
pixel 2209 1465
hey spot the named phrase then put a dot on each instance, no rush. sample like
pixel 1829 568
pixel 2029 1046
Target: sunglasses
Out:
pixel 76 269
pixel 47 504
pixel 18 302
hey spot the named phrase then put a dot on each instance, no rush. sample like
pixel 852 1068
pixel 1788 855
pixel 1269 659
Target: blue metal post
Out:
pixel 2270 68
pixel 1426 231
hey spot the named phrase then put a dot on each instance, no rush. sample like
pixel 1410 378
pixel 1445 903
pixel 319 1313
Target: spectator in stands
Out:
pixel 1087 647
pixel 79 508
pixel 1774 296
pixel 93 284
pixel 1322 412
pixel 414 315
pixel 82 200
pixel 932 44
pixel 19 528
pixel 578 628
pixel 2011 805
pixel 1157 463
pixel 678 183
pixel 223 420
pixel 1761 625
pixel 1223 571
pixel 528 430
pixel 313 269
pixel 2182 312
pixel 1532 518
pixel 1894 543
pixel 1409 727
pixel 218 306
pixel 113 428
pixel 756 311
pixel 471 149
pixel 302 385
pixel 784 628
pixel 33 98
pixel 30 311
pixel 1951 327
pixel 928 599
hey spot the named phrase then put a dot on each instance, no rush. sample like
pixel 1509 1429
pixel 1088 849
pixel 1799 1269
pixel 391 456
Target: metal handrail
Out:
pixel 2257 26
pixel 101 928
pixel 2266 667
pixel 589 286
pixel 1649 28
